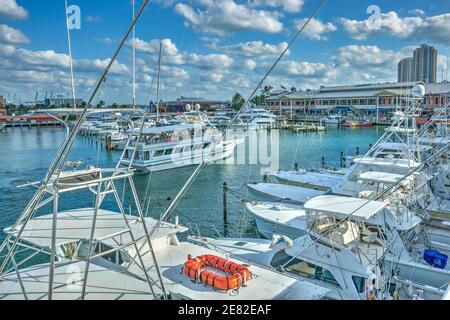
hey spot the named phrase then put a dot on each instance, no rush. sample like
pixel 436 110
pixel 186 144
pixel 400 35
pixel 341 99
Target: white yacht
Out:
pixel 168 147
pixel 220 118
pixel 332 119
pixel 126 256
pixel 258 118
pixel 350 245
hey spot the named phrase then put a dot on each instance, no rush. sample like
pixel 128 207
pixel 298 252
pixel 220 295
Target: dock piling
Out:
pixel 225 213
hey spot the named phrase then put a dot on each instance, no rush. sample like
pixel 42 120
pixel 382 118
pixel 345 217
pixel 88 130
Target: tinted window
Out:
pixel 359 283
pixel 302 268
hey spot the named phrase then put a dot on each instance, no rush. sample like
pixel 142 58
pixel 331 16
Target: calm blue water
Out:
pixel 25 154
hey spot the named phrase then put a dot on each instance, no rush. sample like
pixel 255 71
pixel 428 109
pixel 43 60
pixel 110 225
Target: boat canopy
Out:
pixel 388 162
pixel 103 284
pixel 177 127
pixel 75 225
pixel 401 146
pixel 381 177
pixel 345 206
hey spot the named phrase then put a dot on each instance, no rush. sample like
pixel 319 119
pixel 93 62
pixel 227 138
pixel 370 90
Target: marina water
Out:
pixel 25 154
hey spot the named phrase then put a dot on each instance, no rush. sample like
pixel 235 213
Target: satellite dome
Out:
pixel 188 107
pixel 418 90
pixel 197 107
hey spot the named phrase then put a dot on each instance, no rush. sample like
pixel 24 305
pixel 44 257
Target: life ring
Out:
pixel 194 268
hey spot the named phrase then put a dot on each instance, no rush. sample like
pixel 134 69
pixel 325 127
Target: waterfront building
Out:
pixel 179 105
pixel 375 100
pixel 62 102
pixel 405 71
pixel 425 64
pixel 2 101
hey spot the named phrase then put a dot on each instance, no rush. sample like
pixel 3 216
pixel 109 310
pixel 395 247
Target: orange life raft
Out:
pixel 194 268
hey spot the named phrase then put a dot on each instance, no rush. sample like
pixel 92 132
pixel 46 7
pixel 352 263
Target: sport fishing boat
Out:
pixel 168 147
pixel 332 119
pixel 350 245
pixel 106 254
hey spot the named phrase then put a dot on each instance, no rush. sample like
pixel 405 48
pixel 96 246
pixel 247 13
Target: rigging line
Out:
pixel 134 59
pixel 200 166
pixel 58 162
pixel 70 58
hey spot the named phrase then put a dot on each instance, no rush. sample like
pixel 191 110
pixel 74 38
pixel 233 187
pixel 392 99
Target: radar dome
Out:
pixel 188 107
pixel 418 90
pixel 197 107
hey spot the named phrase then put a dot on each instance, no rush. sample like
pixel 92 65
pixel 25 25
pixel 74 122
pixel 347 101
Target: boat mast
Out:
pixel 158 86
pixel 70 58
pixel 134 61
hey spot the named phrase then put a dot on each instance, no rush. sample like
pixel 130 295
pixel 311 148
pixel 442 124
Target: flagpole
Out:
pixel 70 58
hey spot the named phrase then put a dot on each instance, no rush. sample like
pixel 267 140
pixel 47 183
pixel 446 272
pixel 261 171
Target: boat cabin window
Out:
pixel 147 155
pixel 101 248
pixel 168 151
pixel 359 283
pixel 302 268
pixel 159 153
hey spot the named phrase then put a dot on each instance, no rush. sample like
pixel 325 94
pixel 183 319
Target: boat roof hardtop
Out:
pixel 400 163
pixel 75 225
pixel 381 177
pixel 176 127
pixel 346 206
pixel 102 284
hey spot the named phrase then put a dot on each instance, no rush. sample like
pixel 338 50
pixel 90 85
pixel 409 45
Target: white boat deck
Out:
pixel 265 285
pixel 286 214
pixel 310 178
pixel 102 284
pixel 381 177
pixel 284 192
pixel 76 224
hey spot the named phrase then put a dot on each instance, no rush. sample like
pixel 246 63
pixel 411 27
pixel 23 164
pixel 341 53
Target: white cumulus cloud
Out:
pixel 11 35
pixel 433 28
pixel 315 29
pixel 9 9
pixel 222 17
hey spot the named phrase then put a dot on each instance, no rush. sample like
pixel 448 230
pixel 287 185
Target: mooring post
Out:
pixel 225 191
pixel 341 160
pixel 357 151
pixel 296 166
pixel 168 202
pixel 322 162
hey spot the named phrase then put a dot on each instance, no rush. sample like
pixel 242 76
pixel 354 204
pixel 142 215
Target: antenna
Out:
pixel 134 61
pixel 70 58
pixel 159 80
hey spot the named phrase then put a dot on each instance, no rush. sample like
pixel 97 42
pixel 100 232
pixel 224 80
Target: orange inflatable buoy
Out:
pixel 194 268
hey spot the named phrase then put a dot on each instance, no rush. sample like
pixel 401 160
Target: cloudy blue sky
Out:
pixel 212 48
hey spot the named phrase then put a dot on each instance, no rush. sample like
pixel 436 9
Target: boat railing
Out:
pixel 194 229
pixel 91 178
